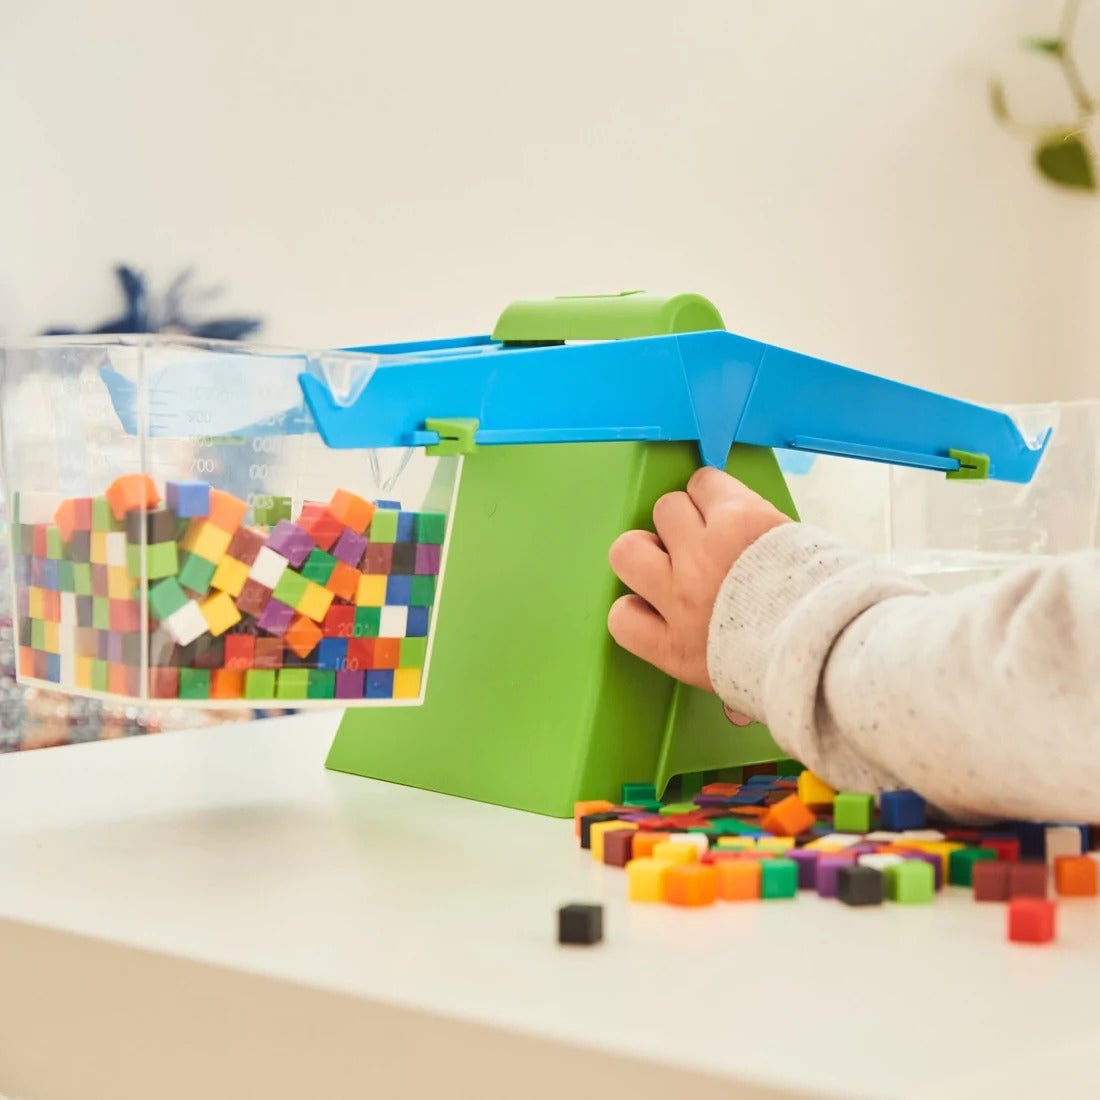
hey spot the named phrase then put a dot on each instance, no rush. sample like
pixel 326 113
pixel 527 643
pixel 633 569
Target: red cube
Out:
pixel 1006 847
pixel 339 622
pixel 240 651
pixel 360 654
pixel 1030 920
pixel 320 524
pixel 1027 879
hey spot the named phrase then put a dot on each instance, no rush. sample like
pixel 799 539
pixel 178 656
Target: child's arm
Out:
pixel 986 701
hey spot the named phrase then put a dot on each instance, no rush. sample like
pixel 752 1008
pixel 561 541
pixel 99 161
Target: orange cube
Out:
pixel 387 652
pixel 65 519
pixel 1075 876
pixel 132 493
pixel 343 581
pixel 691 884
pixel 26 662
pixel 303 636
pixel 226 683
pixel 645 843
pixel 593 806
pixel 226 510
pixel 738 879
pixel 789 817
pixel 351 511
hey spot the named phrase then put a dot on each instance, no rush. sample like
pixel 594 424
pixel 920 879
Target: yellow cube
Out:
pixel 645 879
pixel 120 585
pixel 942 849
pixel 597 831
pixel 206 540
pixel 371 591
pixel 736 843
pixel 36 603
pixel 99 548
pixel 84 673
pixel 230 576
pixel 220 613
pixel 315 602
pixel 814 791
pixel 668 851
pixel 51 637
pixel 774 843
pixel 406 683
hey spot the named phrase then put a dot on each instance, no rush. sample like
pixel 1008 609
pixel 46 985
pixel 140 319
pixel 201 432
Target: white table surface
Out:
pixel 234 847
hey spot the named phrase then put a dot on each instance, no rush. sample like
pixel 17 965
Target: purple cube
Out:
pixel 276 617
pixel 289 540
pixel 349 684
pixel 350 547
pixel 807 867
pixel 427 558
pixel 114 647
pixel 828 868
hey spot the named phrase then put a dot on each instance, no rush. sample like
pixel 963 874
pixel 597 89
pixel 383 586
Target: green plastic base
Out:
pixel 529 703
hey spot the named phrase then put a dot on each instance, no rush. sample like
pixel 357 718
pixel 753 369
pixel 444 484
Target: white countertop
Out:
pixel 234 847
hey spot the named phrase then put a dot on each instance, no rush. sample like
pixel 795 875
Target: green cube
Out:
pixel 55 548
pixel 162 560
pixel 133 559
pixel 653 806
pixel 322 684
pixel 383 527
pixel 422 592
pixel 852 812
pixel 368 622
pixel 637 792
pixel 101 675
pixel 414 652
pixel 101 613
pixel 103 519
pixel 38 634
pixel 734 826
pixel 259 683
pixel 271 510
pixel 318 567
pixel 293 683
pixel 961 864
pixel 194 683
pixel 82 579
pixel 291 588
pixel 778 878
pixel 678 808
pixel 430 527
pixel 911 882
pixel 66 576
pixel 166 598
pixel 196 574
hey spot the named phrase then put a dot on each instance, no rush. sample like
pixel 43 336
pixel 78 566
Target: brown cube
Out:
pixel 268 653
pixel 617 846
pixel 1027 879
pixel 246 545
pixel 990 879
pixel 253 598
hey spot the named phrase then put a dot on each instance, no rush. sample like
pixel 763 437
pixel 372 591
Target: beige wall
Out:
pixel 826 171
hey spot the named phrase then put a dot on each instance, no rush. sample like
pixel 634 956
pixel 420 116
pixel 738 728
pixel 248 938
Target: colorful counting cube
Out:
pixel 353 512
pixel 580 924
pixel 431 527
pixel 166 597
pixel 220 613
pixel 1031 920
pixel 259 684
pixel 206 539
pixel 859 885
pixel 961 864
pixel 302 636
pixel 1028 878
pixel 343 581
pixel 814 791
pixel 778 878
pixel 314 602
pixel 291 542
pixel 320 524
pixel 318 566
pixel 226 511
pixel 245 545
pixel 196 574
pixel 645 879
pixel 598 833
pixel 1075 876
pixel 852 812
pixel 990 880
pixel 738 880
pixel 910 882
pixel 691 884
pixel 383 527
pixel 789 817
pixel 230 576
pixel 188 499
pixel 131 493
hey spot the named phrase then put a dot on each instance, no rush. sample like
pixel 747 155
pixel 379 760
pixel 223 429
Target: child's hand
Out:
pixel 676 573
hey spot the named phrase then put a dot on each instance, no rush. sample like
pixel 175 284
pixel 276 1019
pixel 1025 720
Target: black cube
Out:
pixel 580 924
pixel 859 886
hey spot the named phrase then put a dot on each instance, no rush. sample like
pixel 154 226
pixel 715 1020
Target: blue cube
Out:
pixel 53 668
pixel 188 499
pixel 332 654
pixel 406 527
pixel 901 810
pixel 50 576
pixel 389 505
pixel 379 684
pixel 416 626
pixel 399 590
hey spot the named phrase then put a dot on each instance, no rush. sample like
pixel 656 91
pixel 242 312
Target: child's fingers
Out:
pixel 678 522
pixel 638 629
pixel 711 490
pixel 640 562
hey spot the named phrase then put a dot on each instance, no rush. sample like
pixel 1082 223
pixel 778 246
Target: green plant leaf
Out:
pixel 1052 46
pixel 997 101
pixel 1066 159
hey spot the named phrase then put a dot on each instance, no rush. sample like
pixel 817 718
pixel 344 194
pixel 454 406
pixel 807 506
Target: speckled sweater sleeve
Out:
pixel 986 701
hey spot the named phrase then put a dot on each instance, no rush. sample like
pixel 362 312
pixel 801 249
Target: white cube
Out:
pixel 1062 840
pixel 116 548
pixel 186 624
pixel 697 840
pixel 268 567
pixel 395 622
